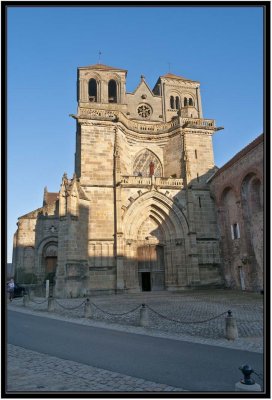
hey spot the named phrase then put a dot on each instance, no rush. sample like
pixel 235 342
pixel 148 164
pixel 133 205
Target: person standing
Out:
pixel 11 289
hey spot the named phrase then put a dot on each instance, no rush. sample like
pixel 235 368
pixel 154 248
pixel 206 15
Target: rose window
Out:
pixel 144 111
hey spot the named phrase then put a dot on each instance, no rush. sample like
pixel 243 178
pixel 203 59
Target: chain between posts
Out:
pixel 70 308
pixel 186 322
pixel 38 302
pixel 106 312
pixel 133 310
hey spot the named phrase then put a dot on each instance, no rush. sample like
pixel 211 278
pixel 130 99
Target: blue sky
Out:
pixel 222 47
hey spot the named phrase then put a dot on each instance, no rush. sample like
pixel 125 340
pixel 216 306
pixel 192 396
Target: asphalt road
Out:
pixel 192 366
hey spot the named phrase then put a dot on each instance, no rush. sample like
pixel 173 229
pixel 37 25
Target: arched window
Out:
pixel 255 195
pixel 191 102
pixel 141 166
pixel 185 101
pixel 177 102
pixel 112 91
pixel 92 90
pixel 172 106
pixel 251 194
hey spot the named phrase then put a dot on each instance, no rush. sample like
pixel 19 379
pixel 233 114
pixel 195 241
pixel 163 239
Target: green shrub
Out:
pixel 25 277
pixel 30 277
pixel 51 277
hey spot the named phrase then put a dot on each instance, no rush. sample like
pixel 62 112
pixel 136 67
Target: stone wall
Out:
pixel 238 191
pixel 96 157
pixel 172 153
pixel 199 153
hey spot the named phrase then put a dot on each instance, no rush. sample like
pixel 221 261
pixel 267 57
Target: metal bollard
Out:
pixel 231 327
pixel 247 384
pixel 88 309
pixel 26 300
pixel 143 316
pixel 51 304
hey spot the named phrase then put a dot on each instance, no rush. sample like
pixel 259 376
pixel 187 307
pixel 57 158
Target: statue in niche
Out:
pixel 151 168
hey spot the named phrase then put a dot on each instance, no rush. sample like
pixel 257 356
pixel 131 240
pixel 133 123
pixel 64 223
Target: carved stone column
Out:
pixel 83 90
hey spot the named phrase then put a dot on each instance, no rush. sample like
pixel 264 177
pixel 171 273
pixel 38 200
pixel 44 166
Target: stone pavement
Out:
pixel 29 371
pixel 187 307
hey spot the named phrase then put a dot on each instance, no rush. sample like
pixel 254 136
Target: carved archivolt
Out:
pixel 50 250
pixel 166 214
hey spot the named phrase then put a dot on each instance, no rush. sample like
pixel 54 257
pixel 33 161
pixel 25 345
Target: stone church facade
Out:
pixel 137 215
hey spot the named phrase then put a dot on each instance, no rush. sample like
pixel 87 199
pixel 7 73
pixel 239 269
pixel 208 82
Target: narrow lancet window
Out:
pixel 172 106
pixel 177 103
pixel 92 90
pixel 112 91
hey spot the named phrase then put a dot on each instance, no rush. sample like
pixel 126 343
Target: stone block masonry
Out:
pixel 137 215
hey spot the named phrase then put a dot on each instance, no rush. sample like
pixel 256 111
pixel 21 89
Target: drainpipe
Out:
pixel 163 103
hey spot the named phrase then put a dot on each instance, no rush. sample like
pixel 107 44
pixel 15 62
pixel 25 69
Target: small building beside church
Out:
pixel 238 191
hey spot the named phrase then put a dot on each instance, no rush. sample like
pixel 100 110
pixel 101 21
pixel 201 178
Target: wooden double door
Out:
pixel 151 267
pixel 50 269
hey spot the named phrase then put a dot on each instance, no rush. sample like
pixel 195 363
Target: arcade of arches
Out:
pixel 238 189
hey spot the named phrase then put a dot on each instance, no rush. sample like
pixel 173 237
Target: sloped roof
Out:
pixel 143 82
pixel 103 67
pixel 173 76
pixel 32 214
pixel 51 197
pixel 240 154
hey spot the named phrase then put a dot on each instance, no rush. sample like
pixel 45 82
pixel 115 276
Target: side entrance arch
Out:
pixel 48 259
pixel 50 253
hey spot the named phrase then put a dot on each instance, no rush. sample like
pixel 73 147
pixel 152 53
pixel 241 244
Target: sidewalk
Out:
pixel 29 371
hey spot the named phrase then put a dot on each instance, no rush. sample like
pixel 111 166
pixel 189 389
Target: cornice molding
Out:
pixel 144 129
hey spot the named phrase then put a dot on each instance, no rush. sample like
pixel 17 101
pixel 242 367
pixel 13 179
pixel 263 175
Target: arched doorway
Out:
pixel 156 244
pixel 151 267
pixel 150 255
pixel 50 259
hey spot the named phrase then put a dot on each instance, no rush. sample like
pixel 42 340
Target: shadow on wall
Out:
pixel 240 220
pixel 153 252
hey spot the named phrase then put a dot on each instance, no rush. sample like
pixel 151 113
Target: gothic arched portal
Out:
pixel 156 231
